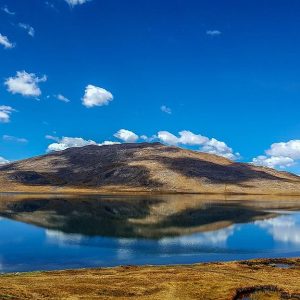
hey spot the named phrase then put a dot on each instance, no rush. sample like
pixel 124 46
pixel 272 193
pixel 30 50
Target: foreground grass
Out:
pixel 222 281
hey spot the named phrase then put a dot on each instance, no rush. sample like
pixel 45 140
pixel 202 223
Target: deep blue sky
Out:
pixel 241 86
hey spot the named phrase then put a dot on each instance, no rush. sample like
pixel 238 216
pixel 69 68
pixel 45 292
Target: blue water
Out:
pixel 35 237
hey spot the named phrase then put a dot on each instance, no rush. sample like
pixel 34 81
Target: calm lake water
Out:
pixel 56 232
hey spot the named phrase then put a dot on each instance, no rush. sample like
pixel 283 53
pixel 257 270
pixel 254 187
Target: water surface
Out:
pixel 59 232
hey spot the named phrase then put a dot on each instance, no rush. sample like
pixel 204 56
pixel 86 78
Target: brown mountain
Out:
pixel 144 167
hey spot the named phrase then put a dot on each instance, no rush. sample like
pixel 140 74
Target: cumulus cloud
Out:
pixel 5 112
pixel 70 142
pixel 273 161
pixel 167 137
pixel 25 84
pixel 189 138
pixel 282 155
pixel 62 98
pixel 10 138
pixel 4 41
pixel 96 96
pixel 108 143
pixel 3 161
pixel 166 109
pixel 213 32
pixel 76 2
pixel 126 136
pixel 289 149
pixel 184 138
pixel 6 10
pixel 212 146
pixel 29 29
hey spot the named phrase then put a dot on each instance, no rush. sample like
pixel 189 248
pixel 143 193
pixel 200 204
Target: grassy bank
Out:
pixel 202 281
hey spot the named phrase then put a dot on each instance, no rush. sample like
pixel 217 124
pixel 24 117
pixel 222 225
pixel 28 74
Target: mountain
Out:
pixel 142 167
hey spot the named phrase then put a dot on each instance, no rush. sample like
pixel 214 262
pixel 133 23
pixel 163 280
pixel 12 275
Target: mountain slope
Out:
pixel 142 167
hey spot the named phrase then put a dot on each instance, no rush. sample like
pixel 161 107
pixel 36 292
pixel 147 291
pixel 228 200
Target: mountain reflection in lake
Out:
pixel 59 232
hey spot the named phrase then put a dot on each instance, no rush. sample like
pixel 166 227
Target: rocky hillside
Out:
pixel 142 167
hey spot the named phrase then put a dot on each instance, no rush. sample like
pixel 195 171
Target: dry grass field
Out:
pixel 222 281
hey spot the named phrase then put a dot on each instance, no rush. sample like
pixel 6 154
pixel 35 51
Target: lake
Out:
pixel 61 232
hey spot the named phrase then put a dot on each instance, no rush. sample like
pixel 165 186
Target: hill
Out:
pixel 143 167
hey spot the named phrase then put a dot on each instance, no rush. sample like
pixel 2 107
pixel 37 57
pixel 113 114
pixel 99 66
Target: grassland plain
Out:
pixel 210 281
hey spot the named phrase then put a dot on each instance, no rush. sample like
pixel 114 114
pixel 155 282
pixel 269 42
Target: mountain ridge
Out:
pixel 142 167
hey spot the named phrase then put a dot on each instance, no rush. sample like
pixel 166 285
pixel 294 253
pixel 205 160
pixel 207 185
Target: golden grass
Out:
pixel 201 281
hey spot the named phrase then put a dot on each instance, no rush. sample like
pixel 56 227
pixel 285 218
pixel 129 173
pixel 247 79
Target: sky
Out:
pixel 217 76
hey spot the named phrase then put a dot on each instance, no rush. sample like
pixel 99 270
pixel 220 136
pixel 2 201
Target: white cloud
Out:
pixel 214 146
pixel 76 2
pixel 6 10
pixel 70 142
pixel 3 161
pixel 5 112
pixel 51 137
pixel 25 84
pixel 186 137
pixel 109 143
pixel 30 30
pixel 289 149
pixel 273 161
pixel 10 138
pixel 213 32
pixel 62 98
pixel 5 42
pixel 282 155
pixel 166 109
pixel 189 138
pixel 167 137
pixel 96 96
pixel 126 136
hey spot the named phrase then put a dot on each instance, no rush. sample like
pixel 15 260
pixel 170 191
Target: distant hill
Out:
pixel 143 167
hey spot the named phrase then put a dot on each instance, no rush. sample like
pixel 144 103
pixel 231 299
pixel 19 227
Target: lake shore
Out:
pixel 271 278
pixel 107 193
pixel 117 191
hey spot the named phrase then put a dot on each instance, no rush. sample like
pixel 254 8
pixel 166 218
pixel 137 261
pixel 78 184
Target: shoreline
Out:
pixel 143 193
pixel 219 280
